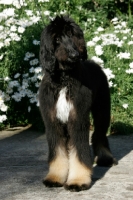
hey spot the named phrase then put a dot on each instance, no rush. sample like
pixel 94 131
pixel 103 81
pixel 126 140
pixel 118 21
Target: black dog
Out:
pixel 71 88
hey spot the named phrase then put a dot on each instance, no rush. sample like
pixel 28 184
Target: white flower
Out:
pixel 34 19
pixel 19 3
pixel 98 61
pixel 17 75
pixel 33 98
pixel 124 24
pixel 37 104
pixel 34 61
pixel 96 39
pixel 1 45
pixel 3 118
pixel 110 83
pixel 3 108
pixel 109 73
pixel 123 55
pixel 119 43
pixel 118 26
pixel 1 100
pixel 1 97
pixel 79 7
pixel 114 19
pixel 21 29
pixel 7 41
pixel 34 78
pixel 40 76
pixel 14 84
pixel 116 31
pixel 6 97
pixel 89 20
pixel 131 65
pixel 1 28
pixel 38 70
pixel 10 21
pixel 14 36
pixel 13 28
pixel 46 12
pixel 98 50
pixel 29 93
pixel 9 90
pixel 32 70
pixel 29 108
pixel 130 42
pixel 3 35
pixel 6 78
pixel 36 42
pixel 25 75
pixel 109 39
pixel 25 84
pixel 91 43
pixel 125 31
pixel 6 2
pixel 125 37
pixel 24 22
pixel 22 93
pixel 29 12
pixel 16 97
pixel 28 55
pixel 125 105
pixel 37 84
pixel 63 12
pixel 43 0
pixel 9 12
pixel 1 57
pixel 100 29
pixel 129 71
pixel 2 16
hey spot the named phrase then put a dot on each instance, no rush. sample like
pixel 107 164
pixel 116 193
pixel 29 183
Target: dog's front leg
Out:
pixel 58 158
pixel 80 164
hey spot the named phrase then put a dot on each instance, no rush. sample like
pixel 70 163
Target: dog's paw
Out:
pixel 50 183
pixel 76 185
pixel 77 188
pixel 105 158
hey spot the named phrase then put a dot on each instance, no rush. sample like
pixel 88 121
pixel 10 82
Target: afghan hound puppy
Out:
pixel 71 88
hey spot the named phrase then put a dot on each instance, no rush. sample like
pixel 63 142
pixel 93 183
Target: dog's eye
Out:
pixel 69 33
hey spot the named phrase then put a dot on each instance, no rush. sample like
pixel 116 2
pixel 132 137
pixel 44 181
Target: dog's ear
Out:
pixel 47 58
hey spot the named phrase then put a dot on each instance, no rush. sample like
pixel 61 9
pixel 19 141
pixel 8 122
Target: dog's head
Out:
pixel 62 44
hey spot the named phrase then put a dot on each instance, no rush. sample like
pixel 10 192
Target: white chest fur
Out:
pixel 63 106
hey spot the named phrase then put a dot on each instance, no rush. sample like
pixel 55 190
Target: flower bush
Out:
pixel 109 41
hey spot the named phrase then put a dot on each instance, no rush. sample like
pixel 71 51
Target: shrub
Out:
pixel 107 27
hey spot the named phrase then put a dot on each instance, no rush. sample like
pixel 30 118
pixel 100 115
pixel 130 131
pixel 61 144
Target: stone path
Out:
pixel 23 164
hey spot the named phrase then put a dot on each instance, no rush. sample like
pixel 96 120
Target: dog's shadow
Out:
pixel 120 146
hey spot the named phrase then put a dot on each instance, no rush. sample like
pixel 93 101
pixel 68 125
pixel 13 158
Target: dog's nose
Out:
pixel 74 54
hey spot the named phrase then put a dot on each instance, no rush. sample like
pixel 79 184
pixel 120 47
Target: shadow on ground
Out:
pixel 23 160
pixel 121 144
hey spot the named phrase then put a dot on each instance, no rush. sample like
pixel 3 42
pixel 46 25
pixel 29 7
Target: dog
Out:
pixel 71 89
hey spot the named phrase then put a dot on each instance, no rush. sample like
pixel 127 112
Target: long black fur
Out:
pixel 63 57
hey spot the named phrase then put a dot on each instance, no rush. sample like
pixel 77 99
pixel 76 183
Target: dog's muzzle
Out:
pixel 73 56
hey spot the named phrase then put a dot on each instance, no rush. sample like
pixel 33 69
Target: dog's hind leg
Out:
pixel 101 117
pixel 58 160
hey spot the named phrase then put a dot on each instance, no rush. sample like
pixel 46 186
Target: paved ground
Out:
pixel 23 164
